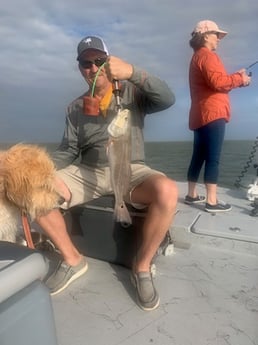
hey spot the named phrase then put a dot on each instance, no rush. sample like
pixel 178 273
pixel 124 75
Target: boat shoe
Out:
pixel 219 207
pixel 146 294
pixel 64 275
pixel 197 200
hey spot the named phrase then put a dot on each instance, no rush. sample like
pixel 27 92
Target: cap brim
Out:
pixel 222 34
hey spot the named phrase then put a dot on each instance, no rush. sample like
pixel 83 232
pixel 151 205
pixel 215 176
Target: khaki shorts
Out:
pixel 87 183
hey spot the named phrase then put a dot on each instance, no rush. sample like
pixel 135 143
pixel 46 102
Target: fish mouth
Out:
pixel 125 225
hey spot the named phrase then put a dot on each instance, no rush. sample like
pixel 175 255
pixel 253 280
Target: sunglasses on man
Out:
pixel 88 63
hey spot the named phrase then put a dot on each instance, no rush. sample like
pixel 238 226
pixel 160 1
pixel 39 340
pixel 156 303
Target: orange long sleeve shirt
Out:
pixel 209 87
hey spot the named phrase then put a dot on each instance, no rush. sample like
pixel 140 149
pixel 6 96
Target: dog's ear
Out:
pixel 42 201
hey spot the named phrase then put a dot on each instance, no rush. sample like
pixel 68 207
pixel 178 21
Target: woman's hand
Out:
pixel 245 77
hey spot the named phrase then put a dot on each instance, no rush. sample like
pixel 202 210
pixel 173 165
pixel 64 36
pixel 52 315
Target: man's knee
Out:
pixel 62 189
pixel 167 192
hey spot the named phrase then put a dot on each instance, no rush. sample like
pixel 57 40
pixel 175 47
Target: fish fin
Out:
pixel 122 214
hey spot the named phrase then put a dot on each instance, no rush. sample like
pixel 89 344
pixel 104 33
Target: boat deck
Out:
pixel 208 287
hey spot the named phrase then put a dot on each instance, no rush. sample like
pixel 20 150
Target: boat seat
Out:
pixel 96 233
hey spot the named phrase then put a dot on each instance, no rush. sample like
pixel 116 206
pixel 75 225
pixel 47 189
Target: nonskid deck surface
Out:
pixel 208 288
pixel 236 225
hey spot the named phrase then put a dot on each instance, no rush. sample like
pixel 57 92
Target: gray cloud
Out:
pixel 39 75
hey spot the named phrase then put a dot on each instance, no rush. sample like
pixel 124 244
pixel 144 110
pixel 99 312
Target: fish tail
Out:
pixel 122 214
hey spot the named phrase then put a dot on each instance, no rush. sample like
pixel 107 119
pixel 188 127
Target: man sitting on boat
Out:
pixel 86 137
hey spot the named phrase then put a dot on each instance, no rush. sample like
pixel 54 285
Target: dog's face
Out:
pixel 27 176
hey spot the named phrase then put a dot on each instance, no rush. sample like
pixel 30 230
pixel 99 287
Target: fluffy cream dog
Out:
pixel 27 184
pixel 10 227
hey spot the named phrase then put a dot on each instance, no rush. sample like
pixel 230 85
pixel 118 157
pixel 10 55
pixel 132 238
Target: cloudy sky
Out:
pixel 38 69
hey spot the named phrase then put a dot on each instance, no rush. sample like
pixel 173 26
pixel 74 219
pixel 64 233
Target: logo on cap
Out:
pixel 88 40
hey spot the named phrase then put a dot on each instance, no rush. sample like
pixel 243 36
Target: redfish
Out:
pixel 119 157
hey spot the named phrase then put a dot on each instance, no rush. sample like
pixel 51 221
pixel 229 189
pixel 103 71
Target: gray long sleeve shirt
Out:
pixel 86 136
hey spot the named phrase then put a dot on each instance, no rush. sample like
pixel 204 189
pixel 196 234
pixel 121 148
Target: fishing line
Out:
pixel 95 79
pixel 253 151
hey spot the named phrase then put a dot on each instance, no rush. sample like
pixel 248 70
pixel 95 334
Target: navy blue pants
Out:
pixel 207 147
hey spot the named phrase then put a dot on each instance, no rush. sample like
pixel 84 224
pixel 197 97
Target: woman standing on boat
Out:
pixel 209 112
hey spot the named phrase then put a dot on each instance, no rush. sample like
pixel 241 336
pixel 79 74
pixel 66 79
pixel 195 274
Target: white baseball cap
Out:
pixel 207 26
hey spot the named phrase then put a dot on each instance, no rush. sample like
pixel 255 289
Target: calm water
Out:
pixel 173 158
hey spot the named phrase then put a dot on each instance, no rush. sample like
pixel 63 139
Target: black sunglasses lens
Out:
pixel 99 61
pixel 87 64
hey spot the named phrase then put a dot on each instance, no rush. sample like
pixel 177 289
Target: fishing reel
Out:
pixel 117 92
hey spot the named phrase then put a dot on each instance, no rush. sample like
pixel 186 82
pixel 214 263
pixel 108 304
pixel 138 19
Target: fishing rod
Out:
pixel 252 64
pixel 253 151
